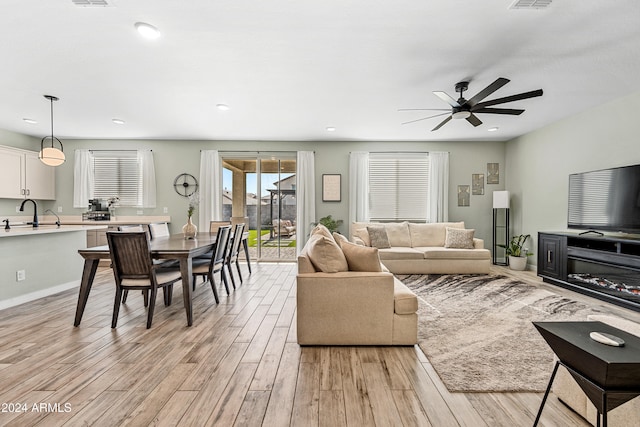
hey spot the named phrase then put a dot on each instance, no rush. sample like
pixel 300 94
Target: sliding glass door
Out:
pixel 260 190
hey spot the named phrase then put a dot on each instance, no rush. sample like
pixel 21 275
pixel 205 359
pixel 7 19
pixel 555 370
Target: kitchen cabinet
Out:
pixel 24 176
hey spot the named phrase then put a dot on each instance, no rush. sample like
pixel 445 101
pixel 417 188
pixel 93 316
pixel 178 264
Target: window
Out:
pixel 398 186
pixel 118 173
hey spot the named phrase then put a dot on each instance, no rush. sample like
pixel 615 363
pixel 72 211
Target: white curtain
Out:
pixel 210 189
pixel 147 167
pixel 358 187
pixel 82 178
pixel 438 186
pixel 305 195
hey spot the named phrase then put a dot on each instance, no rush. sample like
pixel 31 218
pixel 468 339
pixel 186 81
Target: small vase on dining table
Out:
pixel 189 229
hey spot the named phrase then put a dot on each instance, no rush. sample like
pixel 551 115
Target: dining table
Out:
pixel 173 247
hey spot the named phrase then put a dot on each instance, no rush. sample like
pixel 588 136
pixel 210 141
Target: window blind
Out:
pixel 398 186
pixel 118 173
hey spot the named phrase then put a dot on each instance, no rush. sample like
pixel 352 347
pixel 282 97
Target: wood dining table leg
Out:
pixel 187 277
pixel 88 274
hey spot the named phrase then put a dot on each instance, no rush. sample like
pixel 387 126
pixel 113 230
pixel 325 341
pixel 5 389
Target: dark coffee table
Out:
pixel 609 376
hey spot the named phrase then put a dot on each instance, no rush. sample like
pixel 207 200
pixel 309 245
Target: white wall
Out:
pixel 539 163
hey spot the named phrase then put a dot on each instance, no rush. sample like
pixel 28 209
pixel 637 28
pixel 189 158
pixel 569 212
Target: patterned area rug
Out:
pixel 476 330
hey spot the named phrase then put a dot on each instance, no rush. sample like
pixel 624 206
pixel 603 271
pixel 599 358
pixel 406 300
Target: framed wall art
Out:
pixel 331 187
pixel 477 184
pixel 463 195
pixel 493 173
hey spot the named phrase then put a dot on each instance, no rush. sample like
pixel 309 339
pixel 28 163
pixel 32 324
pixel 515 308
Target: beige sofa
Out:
pixel 427 248
pixel 569 392
pixel 351 307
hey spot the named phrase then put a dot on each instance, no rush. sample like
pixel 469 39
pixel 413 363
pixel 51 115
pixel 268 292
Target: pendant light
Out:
pixel 52 155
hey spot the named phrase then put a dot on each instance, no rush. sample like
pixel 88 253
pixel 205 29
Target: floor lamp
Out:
pixel 500 224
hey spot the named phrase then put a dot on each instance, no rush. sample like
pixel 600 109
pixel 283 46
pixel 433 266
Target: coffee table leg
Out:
pixel 546 393
pixel 88 274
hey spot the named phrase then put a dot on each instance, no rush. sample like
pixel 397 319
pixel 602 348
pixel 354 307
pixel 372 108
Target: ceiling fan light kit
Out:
pixel 466 109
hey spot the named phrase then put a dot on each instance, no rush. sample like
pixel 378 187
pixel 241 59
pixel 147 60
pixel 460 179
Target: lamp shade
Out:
pixel 500 200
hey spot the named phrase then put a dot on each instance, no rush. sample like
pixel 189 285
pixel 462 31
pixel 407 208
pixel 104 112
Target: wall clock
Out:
pixel 185 184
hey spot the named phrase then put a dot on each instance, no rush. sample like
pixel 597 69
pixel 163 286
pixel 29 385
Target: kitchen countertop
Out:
pixel 47 228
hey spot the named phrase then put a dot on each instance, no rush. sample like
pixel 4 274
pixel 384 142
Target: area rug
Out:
pixel 477 333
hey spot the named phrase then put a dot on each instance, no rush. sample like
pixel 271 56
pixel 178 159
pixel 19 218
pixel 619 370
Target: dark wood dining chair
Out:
pixel 134 229
pixel 234 251
pixel 133 269
pixel 217 263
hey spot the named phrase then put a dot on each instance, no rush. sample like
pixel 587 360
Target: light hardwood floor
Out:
pixel 239 364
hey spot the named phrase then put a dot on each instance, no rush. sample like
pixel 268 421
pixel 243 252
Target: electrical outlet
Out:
pixel 17 208
pixel 59 209
pixel 20 275
pixel 139 212
pixel 165 209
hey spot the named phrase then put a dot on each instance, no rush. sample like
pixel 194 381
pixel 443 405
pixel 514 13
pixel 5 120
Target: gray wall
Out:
pixel 175 157
pixel 539 163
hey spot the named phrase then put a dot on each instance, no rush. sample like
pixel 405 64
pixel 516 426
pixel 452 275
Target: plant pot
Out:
pixel 518 263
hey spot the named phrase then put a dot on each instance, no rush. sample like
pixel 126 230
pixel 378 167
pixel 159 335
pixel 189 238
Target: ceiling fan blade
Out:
pixel 510 111
pixel 474 120
pixel 424 109
pixel 442 123
pixel 425 118
pixel 501 81
pixel 525 95
pixel 446 98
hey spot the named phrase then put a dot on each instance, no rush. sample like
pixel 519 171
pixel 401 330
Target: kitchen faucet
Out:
pixel 35 211
pixel 56 215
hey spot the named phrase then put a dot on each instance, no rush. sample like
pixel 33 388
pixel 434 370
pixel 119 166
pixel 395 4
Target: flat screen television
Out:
pixel 607 200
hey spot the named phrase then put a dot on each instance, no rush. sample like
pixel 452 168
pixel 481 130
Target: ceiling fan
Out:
pixel 466 109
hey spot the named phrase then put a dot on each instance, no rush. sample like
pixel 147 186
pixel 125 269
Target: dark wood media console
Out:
pixel 604 267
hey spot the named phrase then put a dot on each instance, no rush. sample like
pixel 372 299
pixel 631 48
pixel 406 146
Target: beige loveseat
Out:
pixel 427 248
pixel 569 392
pixel 339 302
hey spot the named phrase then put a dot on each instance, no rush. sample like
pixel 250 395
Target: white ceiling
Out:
pixel 288 69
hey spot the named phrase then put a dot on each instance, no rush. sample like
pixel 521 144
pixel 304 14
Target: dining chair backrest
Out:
pixel 158 229
pixel 131 228
pixel 237 239
pixel 222 241
pixel 130 255
pixel 214 225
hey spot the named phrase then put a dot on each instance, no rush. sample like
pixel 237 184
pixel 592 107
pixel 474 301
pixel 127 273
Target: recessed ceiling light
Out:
pixel 331 129
pixel 147 31
pixel 223 107
pixel 493 129
pixel 30 121
pixel 118 121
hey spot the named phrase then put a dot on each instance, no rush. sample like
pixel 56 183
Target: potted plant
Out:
pixel 516 252
pixel 330 223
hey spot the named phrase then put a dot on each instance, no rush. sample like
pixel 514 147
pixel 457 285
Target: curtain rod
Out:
pixel 257 152
pixel 109 150
pixel 395 152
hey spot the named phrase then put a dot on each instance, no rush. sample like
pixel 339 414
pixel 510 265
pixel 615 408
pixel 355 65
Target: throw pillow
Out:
pixel 325 254
pixel 340 239
pixel 361 258
pixel 363 235
pixel 378 236
pixel 322 230
pixel 459 238
pixel 398 234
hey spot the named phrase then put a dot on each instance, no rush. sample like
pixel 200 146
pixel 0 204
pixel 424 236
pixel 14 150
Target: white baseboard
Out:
pixel 32 296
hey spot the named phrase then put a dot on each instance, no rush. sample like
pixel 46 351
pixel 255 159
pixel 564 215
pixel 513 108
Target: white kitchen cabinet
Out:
pixel 23 175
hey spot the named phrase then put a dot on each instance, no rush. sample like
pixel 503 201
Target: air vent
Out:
pixel 530 4
pixel 91 3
